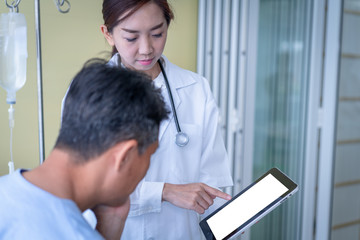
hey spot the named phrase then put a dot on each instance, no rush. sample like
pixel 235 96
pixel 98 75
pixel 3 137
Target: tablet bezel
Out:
pixel 280 176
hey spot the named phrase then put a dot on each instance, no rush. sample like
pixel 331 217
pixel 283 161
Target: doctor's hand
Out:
pixel 111 220
pixel 193 196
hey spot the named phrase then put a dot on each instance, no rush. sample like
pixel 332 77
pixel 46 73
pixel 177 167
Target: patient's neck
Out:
pixel 60 176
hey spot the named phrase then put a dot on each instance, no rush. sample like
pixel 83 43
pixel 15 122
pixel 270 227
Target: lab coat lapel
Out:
pixel 177 100
pixel 178 81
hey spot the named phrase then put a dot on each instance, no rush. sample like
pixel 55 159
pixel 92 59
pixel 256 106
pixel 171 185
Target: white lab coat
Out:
pixel 203 159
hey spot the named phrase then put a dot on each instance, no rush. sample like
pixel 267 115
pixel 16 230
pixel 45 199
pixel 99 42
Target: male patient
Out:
pixel 109 130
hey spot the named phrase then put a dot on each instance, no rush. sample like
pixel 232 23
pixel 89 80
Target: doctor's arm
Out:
pixel 213 170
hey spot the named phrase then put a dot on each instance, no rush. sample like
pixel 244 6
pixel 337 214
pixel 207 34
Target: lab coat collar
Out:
pixel 174 72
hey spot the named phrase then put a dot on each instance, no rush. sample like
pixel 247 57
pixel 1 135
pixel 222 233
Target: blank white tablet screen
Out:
pixel 246 206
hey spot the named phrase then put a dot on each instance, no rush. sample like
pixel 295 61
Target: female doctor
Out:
pixel 191 162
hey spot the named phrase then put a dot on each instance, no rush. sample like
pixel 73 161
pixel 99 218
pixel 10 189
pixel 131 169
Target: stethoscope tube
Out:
pixel 182 138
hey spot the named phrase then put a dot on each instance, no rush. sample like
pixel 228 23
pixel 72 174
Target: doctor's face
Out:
pixel 140 39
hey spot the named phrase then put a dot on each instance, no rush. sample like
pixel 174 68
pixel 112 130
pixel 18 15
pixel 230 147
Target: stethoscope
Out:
pixel 181 138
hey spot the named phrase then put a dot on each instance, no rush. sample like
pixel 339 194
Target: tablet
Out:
pixel 248 206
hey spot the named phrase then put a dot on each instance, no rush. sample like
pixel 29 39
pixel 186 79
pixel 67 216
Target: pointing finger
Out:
pixel 217 193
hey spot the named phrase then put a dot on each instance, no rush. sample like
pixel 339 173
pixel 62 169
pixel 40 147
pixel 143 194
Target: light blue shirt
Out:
pixel 28 212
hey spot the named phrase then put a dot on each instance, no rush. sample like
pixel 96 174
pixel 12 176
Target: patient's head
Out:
pixel 107 105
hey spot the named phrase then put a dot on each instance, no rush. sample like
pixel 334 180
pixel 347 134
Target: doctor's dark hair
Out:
pixel 107 105
pixel 112 10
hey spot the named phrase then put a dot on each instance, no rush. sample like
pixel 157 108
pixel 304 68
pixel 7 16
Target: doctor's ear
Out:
pixel 107 35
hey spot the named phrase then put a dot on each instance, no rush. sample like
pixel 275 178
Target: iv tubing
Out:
pixel 11 125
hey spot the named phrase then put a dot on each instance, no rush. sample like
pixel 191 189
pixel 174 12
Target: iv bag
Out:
pixel 13 53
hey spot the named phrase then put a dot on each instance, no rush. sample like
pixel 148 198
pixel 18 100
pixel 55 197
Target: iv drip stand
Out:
pixel 39 82
pixel 59 4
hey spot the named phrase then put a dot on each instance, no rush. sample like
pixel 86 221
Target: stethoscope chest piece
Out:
pixel 182 139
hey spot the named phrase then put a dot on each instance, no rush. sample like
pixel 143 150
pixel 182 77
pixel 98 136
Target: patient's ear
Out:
pixel 123 153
